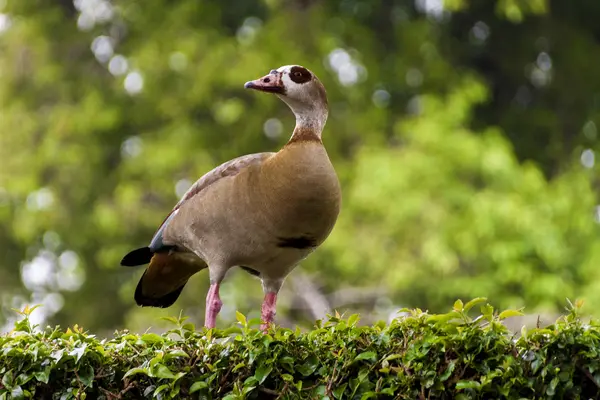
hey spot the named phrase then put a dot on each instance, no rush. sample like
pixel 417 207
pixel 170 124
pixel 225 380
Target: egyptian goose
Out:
pixel 262 212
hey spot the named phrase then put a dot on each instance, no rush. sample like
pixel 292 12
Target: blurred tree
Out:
pixel 110 110
pixel 451 213
pixel 544 91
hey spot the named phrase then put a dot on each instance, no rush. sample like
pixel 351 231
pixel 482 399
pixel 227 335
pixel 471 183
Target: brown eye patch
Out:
pixel 300 74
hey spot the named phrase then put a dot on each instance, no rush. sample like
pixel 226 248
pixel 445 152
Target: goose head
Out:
pixel 301 90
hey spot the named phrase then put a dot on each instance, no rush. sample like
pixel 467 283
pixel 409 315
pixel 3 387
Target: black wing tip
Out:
pixel 137 257
pixel 300 242
pixel 250 271
pixel 158 302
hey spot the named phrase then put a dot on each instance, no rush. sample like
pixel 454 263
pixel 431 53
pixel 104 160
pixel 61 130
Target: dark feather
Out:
pixel 137 257
pixel 250 271
pixel 300 242
pixel 161 302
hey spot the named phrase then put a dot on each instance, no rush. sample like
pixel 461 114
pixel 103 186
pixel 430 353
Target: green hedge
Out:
pixel 417 356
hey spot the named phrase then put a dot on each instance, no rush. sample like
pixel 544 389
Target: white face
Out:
pixel 300 90
pixel 295 85
pixel 286 68
pixel 299 83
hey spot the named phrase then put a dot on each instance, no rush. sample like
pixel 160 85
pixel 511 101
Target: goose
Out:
pixel 261 212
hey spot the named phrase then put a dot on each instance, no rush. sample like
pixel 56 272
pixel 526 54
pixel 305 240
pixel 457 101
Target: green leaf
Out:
pixel 17 393
pixel 160 389
pixel 338 393
pixel 241 318
pixel 176 353
pixel 198 385
pixel 524 332
pixel 551 389
pixel 232 330
pixel 248 389
pixel 458 305
pixel 86 375
pixel 487 311
pixel 448 371
pixel 179 375
pixel 157 359
pixel 474 302
pixel 251 381
pixel 58 355
pixel 43 376
pixel 392 357
pixel 354 318
pixel 149 390
pixel 78 352
pixel 367 355
pixel 189 327
pixel 308 367
pixel 173 320
pixel 151 338
pixel 162 371
pixel 7 379
pixel 510 313
pixel 460 385
pixel 262 372
pixel 27 310
pixel 444 318
pixel 134 371
pixel 23 379
pixel 238 366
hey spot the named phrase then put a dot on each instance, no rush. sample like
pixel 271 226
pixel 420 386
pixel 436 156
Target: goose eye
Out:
pixel 300 75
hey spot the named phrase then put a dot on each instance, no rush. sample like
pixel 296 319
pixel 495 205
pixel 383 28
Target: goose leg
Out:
pixel 213 305
pixel 268 310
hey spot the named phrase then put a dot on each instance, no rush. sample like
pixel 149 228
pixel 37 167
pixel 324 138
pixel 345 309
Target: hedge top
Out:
pixel 418 355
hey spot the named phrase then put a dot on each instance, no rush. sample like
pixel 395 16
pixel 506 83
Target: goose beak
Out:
pixel 271 83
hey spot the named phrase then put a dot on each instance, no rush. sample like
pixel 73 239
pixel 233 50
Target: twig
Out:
pixel 100 376
pixel 269 391
pixel 108 394
pixel 224 378
pixel 306 290
pixel 193 358
pixel 80 384
pixel 355 296
pixel 285 387
pixel 310 387
pixel 130 386
pixel 378 385
pixel 331 380
pixel 589 375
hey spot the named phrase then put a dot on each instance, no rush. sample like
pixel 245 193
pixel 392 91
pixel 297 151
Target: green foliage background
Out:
pixel 464 137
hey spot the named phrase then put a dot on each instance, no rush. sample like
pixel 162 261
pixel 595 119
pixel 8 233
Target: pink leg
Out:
pixel 213 306
pixel 268 310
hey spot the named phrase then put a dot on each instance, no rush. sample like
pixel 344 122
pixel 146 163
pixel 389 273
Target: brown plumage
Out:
pixel 263 212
